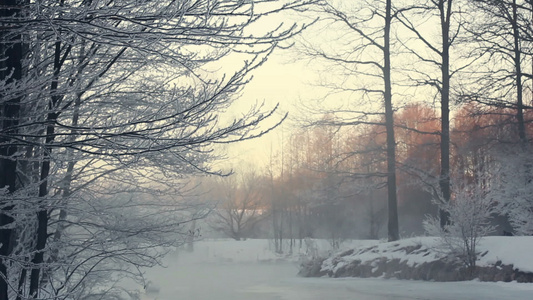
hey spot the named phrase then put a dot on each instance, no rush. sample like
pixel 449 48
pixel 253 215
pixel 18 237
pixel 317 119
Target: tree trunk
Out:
pixel 393 230
pixel 42 214
pixel 518 77
pixel 11 47
pixel 444 181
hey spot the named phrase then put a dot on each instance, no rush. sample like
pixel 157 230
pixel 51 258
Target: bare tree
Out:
pixel 470 214
pixel 500 39
pixel 240 205
pixel 363 50
pixel 10 76
pixel 88 86
pixel 440 12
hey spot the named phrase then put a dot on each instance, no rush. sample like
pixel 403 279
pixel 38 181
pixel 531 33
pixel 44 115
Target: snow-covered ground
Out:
pixel 508 250
pixel 516 250
pixel 231 270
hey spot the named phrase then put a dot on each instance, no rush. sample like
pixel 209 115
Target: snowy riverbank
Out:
pixel 499 259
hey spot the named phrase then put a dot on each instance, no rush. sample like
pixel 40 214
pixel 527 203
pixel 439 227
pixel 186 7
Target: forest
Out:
pixel 114 114
pixel 328 183
pixel 407 122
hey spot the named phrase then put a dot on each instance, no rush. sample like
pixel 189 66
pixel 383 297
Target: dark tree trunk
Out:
pixel 445 7
pixel 42 214
pixel 518 76
pixel 393 227
pixel 11 66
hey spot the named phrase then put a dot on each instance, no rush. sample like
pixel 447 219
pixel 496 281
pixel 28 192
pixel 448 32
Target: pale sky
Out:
pixel 280 80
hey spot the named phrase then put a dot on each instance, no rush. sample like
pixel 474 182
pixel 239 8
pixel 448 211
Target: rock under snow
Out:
pixel 499 259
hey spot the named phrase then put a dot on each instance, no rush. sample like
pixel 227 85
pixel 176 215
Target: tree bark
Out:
pixel 42 214
pixel 444 180
pixel 518 77
pixel 393 230
pixel 11 48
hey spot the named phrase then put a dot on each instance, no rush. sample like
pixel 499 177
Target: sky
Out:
pixel 281 80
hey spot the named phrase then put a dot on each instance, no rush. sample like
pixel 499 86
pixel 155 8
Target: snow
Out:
pixel 515 250
pixel 509 250
pixel 242 270
pixel 395 250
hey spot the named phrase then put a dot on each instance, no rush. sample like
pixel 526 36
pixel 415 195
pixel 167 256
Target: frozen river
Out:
pixel 188 278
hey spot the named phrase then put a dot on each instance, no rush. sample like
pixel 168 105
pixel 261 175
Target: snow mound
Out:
pixel 411 251
pixel 509 250
pixel 426 258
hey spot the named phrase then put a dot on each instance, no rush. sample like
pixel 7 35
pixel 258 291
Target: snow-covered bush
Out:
pixel 514 190
pixel 469 212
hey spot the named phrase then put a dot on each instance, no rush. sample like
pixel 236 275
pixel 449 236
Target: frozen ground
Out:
pixel 230 270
